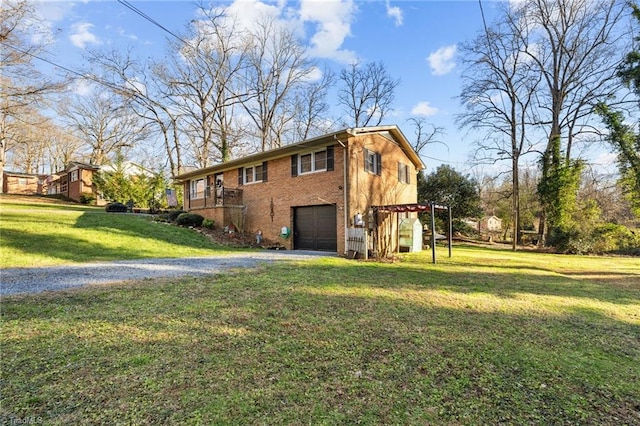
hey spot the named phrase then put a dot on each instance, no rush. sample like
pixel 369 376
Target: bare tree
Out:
pixel 106 125
pixel 425 134
pixel 366 93
pixel 21 84
pixel 498 93
pixel 277 65
pixel 140 85
pixel 201 79
pixel 576 46
pixel 540 72
pixel 311 118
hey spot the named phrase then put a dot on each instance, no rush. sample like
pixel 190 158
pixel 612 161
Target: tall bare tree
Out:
pixel 576 46
pixel 366 93
pixel 139 83
pixel 106 125
pixel 498 93
pixel 277 65
pixel 311 118
pixel 21 84
pixel 559 57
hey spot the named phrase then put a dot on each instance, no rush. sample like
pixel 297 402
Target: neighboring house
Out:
pixel 74 181
pixel 23 183
pixel 308 194
pixel 490 224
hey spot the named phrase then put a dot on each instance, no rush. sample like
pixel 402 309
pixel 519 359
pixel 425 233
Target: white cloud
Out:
pixel 396 13
pixel 82 35
pixel 442 61
pixel 424 109
pixel 315 75
pixel 332 21
pixel 121 31
pixel 83 87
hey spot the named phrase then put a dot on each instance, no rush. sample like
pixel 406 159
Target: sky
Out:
pixel 418 41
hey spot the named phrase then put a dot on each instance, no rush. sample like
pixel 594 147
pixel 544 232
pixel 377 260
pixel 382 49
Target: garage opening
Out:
pixel 315 228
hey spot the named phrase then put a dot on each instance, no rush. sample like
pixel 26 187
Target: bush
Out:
pixel 87 199
pixel 615 238
pixel 189 219
pixel 207 223
pixel 173 215
pixel 115 208
pixel 570 241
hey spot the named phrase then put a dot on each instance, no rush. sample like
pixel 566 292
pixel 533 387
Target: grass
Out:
pixel 37 231
pixel 487 337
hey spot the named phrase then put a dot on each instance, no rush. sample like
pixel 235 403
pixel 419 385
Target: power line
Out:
pixel 131 7
pixel 77 73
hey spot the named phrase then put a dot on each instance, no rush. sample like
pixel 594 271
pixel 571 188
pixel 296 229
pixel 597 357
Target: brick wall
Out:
pixel 287 192
pixel 270 205
pixel 25 185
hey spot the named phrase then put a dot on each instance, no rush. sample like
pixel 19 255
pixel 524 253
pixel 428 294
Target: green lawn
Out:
pixel 39 232
pixel 487 337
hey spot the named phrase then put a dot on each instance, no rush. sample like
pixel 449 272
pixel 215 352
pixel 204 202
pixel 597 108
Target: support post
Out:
pixel 433 233
pixel 450 230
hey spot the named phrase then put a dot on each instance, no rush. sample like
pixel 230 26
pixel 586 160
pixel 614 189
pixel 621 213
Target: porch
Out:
pixel 214 197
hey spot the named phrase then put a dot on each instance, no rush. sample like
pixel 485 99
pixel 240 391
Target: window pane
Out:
pixel 248 175
pixel 371 161
pixel 321 160
pixel 305 163
pixel 258 173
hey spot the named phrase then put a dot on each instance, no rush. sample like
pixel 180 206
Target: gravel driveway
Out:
pixel 35 280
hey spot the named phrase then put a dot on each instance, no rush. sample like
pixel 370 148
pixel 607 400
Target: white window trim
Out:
pixel 313 162
pixel 407 176
pixel 193 189
pixel 74 175
pixel 254 175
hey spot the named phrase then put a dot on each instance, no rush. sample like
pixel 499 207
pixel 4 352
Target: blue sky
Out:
pixel 416 40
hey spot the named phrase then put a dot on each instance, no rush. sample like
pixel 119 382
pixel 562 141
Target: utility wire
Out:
pixel 77 73
pixel 131 7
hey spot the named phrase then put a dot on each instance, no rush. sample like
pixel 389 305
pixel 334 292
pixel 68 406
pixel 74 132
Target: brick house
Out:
pixel 23 183
pixel 308 194
pixel 74 181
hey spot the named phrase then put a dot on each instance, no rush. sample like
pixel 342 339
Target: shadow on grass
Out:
pixel 101 231
pixel 242 348
pixel 67 247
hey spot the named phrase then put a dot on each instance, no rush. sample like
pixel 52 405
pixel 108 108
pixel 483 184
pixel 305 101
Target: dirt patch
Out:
pixel 237 239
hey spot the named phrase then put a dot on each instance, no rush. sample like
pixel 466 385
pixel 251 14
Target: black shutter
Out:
pixel 329 158
pixel 240 176
pixel 294 165
pixel 264 171
pixel 378 164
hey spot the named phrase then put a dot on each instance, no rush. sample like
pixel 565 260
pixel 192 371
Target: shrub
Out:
pixel 115 208
pixel 189 219
pixel 614 238
pixel 570 241
pixel 173 215
pixel 87 199
pixel 207 223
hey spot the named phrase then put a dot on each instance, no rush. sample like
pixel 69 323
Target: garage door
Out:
pixel 315 228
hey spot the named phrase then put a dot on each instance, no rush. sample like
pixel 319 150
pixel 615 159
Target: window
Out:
pixel 22 181
pixel 197 189
pixel 253 174
pixel 403 173
pixel 372 162
pixel 74 175
pixel 317 161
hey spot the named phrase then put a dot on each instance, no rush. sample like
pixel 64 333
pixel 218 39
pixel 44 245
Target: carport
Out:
pixel 420 208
